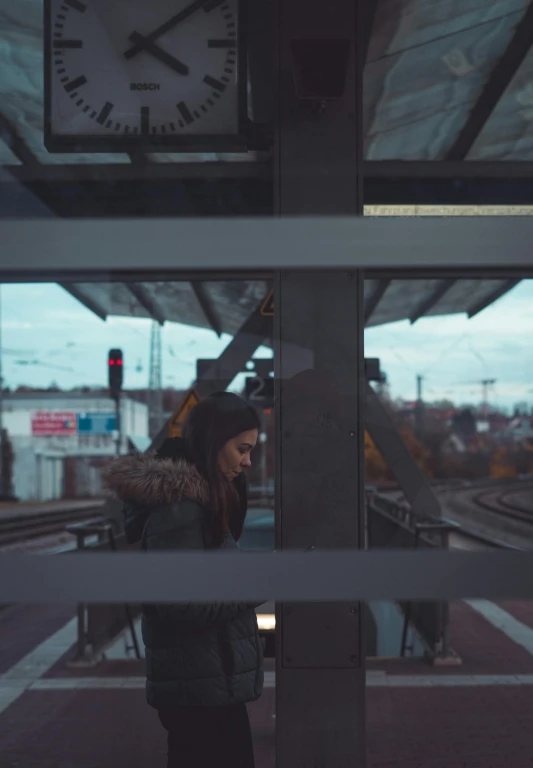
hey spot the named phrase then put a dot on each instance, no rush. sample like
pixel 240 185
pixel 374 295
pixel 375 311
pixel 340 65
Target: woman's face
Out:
pixel 234 457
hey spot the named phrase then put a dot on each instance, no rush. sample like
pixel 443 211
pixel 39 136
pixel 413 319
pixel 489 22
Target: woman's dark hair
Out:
pixel 207 428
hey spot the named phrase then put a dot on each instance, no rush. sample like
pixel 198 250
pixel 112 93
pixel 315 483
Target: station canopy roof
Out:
pixel 224 306
pixel 445 81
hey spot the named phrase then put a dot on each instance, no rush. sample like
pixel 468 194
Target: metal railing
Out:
pixel 100 623
pixel 393 524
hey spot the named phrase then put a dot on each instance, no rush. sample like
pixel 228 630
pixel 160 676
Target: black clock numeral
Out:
pixel 104 114
pixel 216 84
pixel 212 5
pixel 68 44
pixel 184 112
pixel 222 43
pixel 79 81
pixel 76 5
pixel 145 119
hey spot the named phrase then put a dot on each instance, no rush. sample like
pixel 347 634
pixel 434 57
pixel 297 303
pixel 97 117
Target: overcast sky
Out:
pixel 47 336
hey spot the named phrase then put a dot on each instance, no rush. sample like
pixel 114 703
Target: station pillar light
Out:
pixel 115 371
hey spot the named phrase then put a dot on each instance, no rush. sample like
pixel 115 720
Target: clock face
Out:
pixel 143 68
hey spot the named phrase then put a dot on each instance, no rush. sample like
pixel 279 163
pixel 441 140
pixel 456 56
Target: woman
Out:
pixel 204 661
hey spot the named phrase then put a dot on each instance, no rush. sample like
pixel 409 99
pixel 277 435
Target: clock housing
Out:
pixel 125 75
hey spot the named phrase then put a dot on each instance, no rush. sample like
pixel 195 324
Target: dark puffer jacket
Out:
pixel 197 654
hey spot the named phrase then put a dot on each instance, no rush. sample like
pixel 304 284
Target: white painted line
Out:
pixel 514 629
pixel 80 683
pixel 377 681
pixel 25 672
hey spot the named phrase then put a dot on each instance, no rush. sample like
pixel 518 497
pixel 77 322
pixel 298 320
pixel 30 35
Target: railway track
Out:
pixel 18 528
pixel 504 502
pixel 493 510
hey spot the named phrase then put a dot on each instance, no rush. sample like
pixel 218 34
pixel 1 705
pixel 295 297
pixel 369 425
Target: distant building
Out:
pixel 520 429
pixel 62 440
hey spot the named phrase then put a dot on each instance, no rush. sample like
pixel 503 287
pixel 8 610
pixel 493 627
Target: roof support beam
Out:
pixel 497 84
pixel 368 13
pixel 10 135
pixel 204 300
pixel 494 296
pixel 376 297
pixel 423 308
pixel 80 296
pixel 145 300
pixel 251 335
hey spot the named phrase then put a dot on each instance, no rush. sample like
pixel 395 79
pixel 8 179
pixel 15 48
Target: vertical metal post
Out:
pixel 118 422
pixel 127 610
pixel 319 366
pixel 3 490
pixel 81 611
pixel 419 408
pixel 320 483
pixel 445 605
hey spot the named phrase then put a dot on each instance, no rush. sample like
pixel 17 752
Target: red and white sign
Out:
pixel 46 423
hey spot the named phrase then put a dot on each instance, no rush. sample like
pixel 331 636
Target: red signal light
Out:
pixel 115 364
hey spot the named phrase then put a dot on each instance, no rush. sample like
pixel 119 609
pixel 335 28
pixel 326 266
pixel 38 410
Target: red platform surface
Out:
pixel 417 716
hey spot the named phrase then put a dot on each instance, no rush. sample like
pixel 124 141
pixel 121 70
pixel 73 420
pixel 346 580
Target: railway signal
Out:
pixel 115 370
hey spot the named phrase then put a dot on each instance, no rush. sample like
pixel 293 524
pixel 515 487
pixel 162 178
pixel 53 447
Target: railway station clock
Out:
pixel 147 74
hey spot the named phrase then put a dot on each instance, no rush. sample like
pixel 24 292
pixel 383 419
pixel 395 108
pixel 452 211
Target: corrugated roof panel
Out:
pixel 234 301
pixel 403 24
pixel 508 133
pixel 422 139
pixel 426 92
pixel 428 61
pixel 465 295
pixel 21 80
pixel 401 300
pixel 176 302
pixel 6 155
pixel 110 298
pixel 404 299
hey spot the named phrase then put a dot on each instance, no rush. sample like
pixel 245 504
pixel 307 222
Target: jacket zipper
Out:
pixel 225 652
pixel 258 651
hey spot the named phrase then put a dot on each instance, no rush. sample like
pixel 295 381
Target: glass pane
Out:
pixel 58 709
pixel 447 682
pixel 93 123
pixel 65 350
pixel 471 707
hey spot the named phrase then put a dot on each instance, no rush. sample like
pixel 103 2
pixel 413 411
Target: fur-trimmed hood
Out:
pixel 144 482
pixel 147 481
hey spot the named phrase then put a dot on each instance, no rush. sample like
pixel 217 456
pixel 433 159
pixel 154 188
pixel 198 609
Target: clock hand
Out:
pixel 173 22
pixel 159 53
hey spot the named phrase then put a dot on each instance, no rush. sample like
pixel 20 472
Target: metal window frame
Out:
pixel 70 247
pixel 339 576
pixel 448 247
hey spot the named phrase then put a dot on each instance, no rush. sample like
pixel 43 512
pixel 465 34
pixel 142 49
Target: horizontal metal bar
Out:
pixel 447 169
pixel 498 273
pixel 290 576
pixel 148 171
pixel 141 276
pixel 49 246
pixel 261 168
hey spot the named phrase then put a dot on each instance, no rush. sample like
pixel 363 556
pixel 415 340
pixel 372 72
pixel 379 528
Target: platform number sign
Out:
pixel 267 307
pixel 260 391
pixel 190 401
